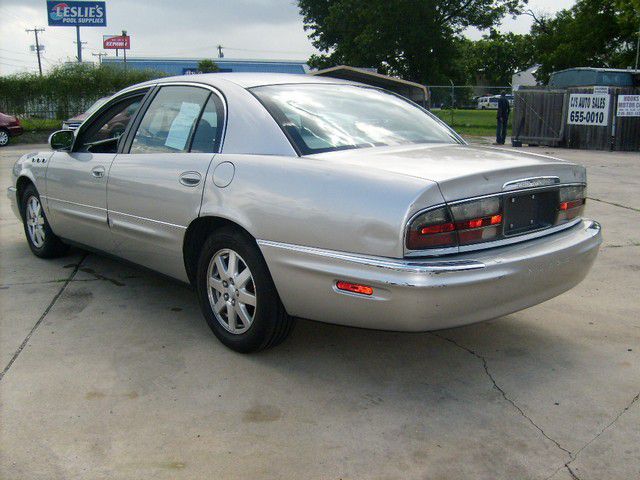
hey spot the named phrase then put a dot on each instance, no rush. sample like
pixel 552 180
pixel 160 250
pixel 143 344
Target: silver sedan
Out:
pixel 283 196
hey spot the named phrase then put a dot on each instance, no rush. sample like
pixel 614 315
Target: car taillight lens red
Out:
pixel 460 224
pixel 432 229
pixel 354 288
pixel 571 203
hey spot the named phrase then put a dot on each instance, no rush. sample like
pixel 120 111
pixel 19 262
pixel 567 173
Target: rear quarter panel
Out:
pixel 310 202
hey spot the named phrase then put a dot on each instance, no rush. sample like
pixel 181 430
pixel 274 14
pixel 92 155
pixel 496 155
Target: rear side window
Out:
pixel 169 122
pixel 208 134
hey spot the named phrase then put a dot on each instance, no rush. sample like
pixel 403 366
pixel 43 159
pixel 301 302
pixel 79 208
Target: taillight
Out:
pixel 432 229
pixel 478 220
pixel 571 203
pixel 461 224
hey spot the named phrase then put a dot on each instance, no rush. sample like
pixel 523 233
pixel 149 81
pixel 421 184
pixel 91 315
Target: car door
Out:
pixel 76 182
pixel 155 186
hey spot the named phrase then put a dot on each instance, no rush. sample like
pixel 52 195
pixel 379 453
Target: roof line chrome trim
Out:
pixel 412 266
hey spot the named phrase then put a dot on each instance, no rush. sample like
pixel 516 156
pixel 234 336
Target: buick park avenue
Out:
pixel 290 196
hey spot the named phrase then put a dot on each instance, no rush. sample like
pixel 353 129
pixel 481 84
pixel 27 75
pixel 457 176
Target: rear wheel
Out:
pixel 237 295
pixel 42 241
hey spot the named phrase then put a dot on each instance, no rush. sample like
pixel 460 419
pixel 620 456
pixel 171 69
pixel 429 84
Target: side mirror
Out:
pixel 62 140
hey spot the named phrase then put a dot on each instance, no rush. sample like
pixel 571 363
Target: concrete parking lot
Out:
pixel 111 372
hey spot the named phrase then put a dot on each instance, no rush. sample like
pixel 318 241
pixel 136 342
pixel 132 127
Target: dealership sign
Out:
pixel 117 42
pixel 629 105
pixel 588 109
pixel 76 14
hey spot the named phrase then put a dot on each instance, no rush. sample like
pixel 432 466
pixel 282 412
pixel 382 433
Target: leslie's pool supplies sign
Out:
pixel 76 14
pixel 588 109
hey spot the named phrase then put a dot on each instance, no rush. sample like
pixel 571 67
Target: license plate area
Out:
pixel 529 211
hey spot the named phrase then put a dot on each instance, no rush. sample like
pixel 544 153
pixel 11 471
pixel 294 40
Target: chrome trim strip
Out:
pixel 111 212
pixel 381 262
pixel 520 238
pixel 511 192
pixel 543 181
pixel 46 197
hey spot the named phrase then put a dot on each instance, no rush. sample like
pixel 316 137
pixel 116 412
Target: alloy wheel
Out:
pixel 4 138
pixel 35 221
pixel 232 291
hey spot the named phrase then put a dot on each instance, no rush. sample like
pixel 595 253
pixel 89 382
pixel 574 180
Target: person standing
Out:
pixel 503 118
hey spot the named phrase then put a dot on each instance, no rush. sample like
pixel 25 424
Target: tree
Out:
pixel 208 66
pixel 416 39
pixel 593 33
pixel 493 59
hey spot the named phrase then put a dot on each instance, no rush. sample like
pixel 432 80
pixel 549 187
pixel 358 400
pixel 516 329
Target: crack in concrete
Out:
pixel 44 282
pixel 503 393
pixel 42 317
pixel 604 429
pixel 572 456
pixel 615 204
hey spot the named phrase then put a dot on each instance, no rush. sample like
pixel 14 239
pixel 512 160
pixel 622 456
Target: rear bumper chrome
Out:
pixel 419 294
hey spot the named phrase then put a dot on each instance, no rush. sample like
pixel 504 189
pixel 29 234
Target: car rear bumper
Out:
pixel 15 130
pixel 420 295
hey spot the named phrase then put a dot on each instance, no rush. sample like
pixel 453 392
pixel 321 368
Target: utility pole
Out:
pixel 79 44
pixel 37 30
pixel 220 54
pixel 638 48
pixel 124 51
pixel 100 55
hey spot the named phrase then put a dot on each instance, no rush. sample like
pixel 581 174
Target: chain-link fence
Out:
pixel 472 97
pixel 46 108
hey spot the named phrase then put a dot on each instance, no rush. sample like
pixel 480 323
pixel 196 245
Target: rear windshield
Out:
pixel 322 118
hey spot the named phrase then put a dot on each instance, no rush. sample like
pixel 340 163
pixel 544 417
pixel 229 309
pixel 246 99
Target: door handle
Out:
pixel 190 179
pixel 97 172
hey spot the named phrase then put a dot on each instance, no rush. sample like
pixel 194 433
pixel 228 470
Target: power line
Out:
pixel 13 51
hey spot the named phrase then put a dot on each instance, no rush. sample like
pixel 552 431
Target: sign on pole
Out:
pixel 76 14
pixel 628 105
pixel 116 42
pixel 588 109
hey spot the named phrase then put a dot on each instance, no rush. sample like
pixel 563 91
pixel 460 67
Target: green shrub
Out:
pixel 66 90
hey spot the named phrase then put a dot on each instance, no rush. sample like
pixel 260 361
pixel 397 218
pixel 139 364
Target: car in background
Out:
pixel 9 127
pixel 74 122
pixel 491 102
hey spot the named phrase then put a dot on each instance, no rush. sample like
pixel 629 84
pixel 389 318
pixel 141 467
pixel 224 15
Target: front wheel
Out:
pixel 42 241
pixel 237 295
pixel 4 137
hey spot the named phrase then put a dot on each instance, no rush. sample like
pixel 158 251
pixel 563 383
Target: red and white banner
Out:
pixel 116 42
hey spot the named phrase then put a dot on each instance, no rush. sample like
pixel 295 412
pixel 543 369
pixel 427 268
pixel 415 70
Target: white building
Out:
pixel 526 78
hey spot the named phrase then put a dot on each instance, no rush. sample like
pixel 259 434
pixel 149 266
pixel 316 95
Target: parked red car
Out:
pixel 9 127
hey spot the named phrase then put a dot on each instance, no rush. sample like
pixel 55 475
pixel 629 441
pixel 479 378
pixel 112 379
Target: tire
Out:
pixel 4 137
pixel 238 324
pixel 41 239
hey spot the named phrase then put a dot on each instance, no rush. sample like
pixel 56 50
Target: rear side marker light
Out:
pixel 354 288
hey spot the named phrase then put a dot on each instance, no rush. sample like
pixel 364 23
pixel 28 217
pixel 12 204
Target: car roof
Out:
pixel 249 80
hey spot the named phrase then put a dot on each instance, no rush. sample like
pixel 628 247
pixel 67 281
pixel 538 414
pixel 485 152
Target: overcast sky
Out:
pixel 171 28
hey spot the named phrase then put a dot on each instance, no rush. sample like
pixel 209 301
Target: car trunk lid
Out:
pixel 463 171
